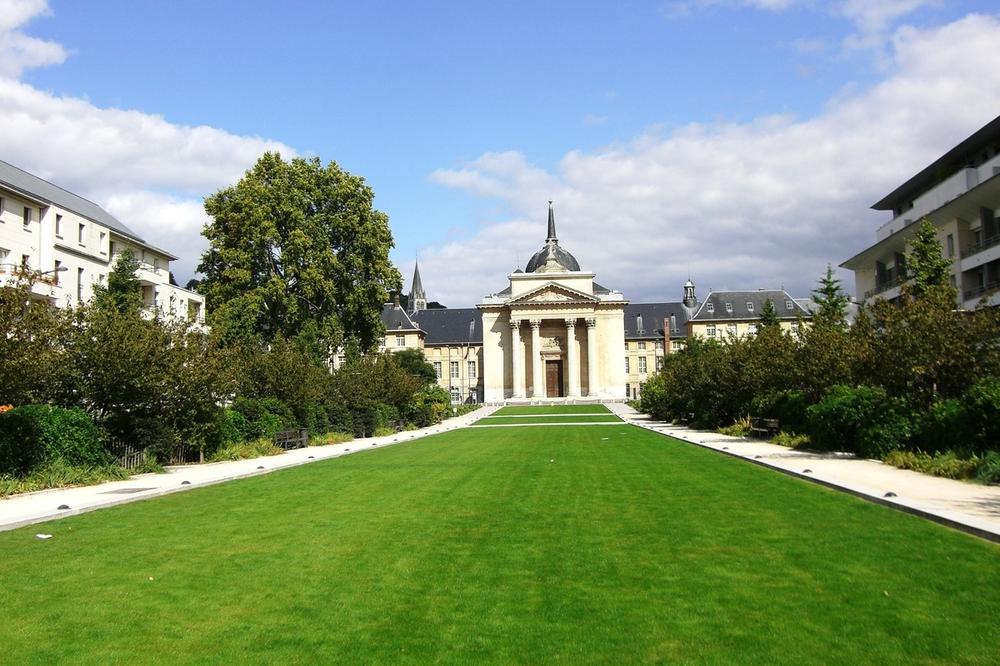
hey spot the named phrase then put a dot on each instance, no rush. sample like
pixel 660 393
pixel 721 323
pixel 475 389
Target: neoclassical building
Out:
pixel 553 332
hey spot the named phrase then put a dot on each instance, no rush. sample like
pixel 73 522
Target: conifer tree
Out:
pixel 831 300
pixel 768 315
pixel 925 264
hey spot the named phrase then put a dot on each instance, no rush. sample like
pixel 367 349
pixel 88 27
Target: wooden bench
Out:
pixel 764 428
pixel 292 439
pixel 686 418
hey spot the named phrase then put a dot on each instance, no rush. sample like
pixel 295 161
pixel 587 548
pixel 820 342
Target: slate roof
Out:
pixel 34 187
pixel 652 316
pixel 395 319
pixel 451 326
pixel 714 306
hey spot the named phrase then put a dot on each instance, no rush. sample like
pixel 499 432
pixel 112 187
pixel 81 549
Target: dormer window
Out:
pixel 749 306
pixel 709 307
pixel 729 308
pixel 789 305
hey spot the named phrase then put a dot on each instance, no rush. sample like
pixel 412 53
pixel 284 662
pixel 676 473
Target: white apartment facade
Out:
pixel 70 245
pixel 960 194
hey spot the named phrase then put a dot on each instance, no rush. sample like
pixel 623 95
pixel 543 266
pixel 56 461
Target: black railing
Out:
pixel 982 291
pixel 984 244
pixel 884 286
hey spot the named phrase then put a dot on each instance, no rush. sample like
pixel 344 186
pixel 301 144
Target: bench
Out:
pixel 764 428
pixel 292 439
pixel 686 418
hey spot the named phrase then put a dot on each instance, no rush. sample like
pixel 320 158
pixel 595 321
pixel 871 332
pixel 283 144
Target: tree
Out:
pixel 32 348
pixel 768 315
pixel 123 293
pixel 413 361
pixel 831 300
pixel 296 247
pixel 929 269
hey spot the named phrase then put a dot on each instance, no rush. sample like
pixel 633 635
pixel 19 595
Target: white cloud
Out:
pixel 19 51
pixel 764 203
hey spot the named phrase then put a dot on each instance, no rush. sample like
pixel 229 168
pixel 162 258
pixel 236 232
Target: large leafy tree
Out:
pixel 297 248
pixel 830 300
pixel 925 263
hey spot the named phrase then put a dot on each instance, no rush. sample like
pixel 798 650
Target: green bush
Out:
pixel 982 408
pixel 945 464
pixel 945 426
pixel 35 435
pixel 60 474
pixel 791 440
pixel 264 416
pixel 989 468
pixel 739 428
pixel 862 420
pixel 328 438
pixel 244 450
pixel 789 407
pixel 233 427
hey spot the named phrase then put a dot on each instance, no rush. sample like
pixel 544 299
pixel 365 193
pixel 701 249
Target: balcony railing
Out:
pixel 884 286
pixel 984 244
pixel 981 291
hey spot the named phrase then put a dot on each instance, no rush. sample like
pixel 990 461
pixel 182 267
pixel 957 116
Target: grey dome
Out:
pixel 562 257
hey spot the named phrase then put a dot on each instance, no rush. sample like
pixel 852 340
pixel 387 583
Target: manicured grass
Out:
pixel 550 418
pixel 607 544
pixel 553 409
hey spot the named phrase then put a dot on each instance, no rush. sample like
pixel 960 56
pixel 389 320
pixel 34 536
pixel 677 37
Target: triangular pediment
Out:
pixel 553 292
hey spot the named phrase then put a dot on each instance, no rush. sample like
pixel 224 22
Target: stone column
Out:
pixel 537 387
pixel 516 359
pixel 572 361
pixel 591 357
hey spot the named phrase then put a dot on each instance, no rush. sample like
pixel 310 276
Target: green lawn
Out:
pixel 548 418
pixel 553 409
pixel 607 544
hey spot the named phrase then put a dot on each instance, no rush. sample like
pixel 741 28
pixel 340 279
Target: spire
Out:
pixel 417 300
pixel 552 224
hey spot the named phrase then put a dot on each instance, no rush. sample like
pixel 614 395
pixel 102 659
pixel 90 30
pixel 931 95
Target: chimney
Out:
pixel 666 336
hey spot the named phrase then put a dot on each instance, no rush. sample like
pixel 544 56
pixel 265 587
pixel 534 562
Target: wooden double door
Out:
pixel 554 379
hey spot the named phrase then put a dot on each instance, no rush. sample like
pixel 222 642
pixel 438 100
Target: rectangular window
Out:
pixel 642 364
pixel 437 369
pixel 951 245
pixel 59 225
pixel 453 366
pixel 25 261
pixel 55 271
pixel 749 306
pixel 4 253
pixel 79 285
pixel 709 307
pixel 101 248
pixel 472 368
pixel 26 218
pixel 710 330
pixel 731 329
pixel 642 345
pixel 112 247
pixel 659 363
pixel 752 328
pixel 626 366
pixel 626 346
pixel 659 345
pixel 789 305
pixel 729 308
pixel 81 234
pixel 951 279
pixel 400 340
pixel 628 390
pixel 1 209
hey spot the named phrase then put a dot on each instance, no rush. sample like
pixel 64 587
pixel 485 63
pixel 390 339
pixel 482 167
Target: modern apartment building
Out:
pixel 70 245
pixel 960 194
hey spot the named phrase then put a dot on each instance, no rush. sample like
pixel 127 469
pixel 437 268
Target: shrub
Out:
pixel 863 420
pixel 34 435
pixel 789 407
pixel 982 407
pixel 945 464
pixel 332 437
pixel 791 440
pixel 264 416
pixel 989 468
pixel 945 425
pixel 60 474
pixel 233 426
pixel 739 428
pixel 244 450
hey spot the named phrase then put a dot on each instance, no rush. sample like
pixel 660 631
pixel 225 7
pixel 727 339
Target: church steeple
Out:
pixel 552 224
pixel 417 300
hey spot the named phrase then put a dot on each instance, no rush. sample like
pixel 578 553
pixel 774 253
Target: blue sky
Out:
pixel 466 117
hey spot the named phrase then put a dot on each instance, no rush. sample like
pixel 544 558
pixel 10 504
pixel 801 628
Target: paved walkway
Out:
pixel 967 506
pixel 37 507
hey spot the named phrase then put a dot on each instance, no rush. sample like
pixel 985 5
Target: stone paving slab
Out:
pixel 970 507
pixel 29 508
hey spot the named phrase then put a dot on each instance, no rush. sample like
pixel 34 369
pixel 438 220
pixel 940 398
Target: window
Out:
pixel 626 366
pixel 25 261
pixel 642 364
pixel 710 330
pixel 659 345
pixel 4 253
pixel 100 278
pixel 709 307
pixel 642 345
pixel 626 346
pixel 731 329
pixel 951 279
pixel 453 366
pixel 55 271
pixel 79 285
pixel 951 245
pixel 103 236
pixel 659 363
pixel 749 306
pixel 112 247
pixel 400 340
pixel 81 234
pixel 26 217
pixel 59 225
pixel 437 369
pixel 789 305
pixel 472 368
pixel 1 209
pixel 628 390
pixel 729 308
pixel 752 328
